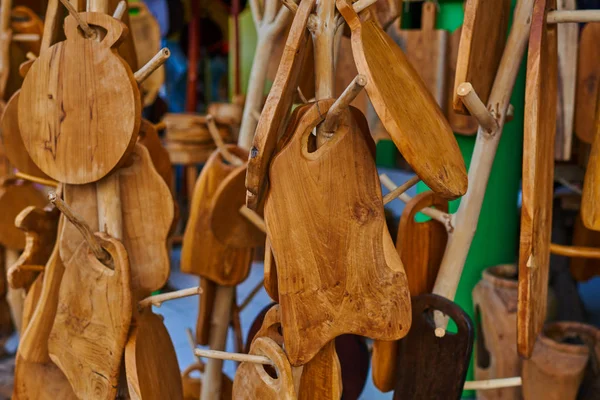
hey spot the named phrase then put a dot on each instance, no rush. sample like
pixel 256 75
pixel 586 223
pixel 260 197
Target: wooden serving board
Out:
pixel 279 102
pixel 538 177
pixel 13 199
pixel 40 381
pixel 202 254
pixel 407 110
pixel 590 210
pixel 148 138
pixel 205 309
pixel 481 46
pixel 270 271
pixel 150 361
pixel 588 82
pixel 80 108
pixel 92 320
pixel 331 282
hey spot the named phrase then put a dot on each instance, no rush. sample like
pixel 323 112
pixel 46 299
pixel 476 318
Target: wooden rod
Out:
pixel 251 295
pixel 152 65
pixel 193 344
pixel 26 37
pixel 158 299
pixel 493 383
pixel 35 179
pixel 291 5
pixel 301 95
pixel 85 230
pixel 577 16
pixel 341 104
pixel 34 268
pixel 30 56
pixel 216 137
pixel 575 251
pixel 240 357
pixel 120 10
pixel 253 217
pixel 89 32
pixel 476 107
pixel 362 4
pixel 400 189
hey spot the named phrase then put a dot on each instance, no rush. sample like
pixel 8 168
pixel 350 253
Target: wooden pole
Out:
pixel 578 16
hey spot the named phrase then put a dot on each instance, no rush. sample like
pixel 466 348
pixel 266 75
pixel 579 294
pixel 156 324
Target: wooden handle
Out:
pixel 575 251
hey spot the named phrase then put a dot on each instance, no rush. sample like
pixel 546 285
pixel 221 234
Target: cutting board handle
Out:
pixel 115 29
pixel 428 16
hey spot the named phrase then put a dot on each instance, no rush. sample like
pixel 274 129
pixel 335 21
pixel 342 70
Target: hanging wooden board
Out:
pixel 150 361
pixel 24 20
pixel 481 46
pixel 568 40
pixel 148 138
pixel 590 210
pixel 583 269
pixel 279 102
pixel 92 320
pixel 329 281
pixel 202 254
pixel 438 366
pixel 252 380
pixel 588 82
pixel 80 108
pixel 192 386
pixel 421 246
pixel 538 177
pixel 31 300
pixel 407 110
pixel 13 199
pixel 40 381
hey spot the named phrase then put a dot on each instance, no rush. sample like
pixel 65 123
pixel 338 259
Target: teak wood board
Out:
pixel 588 82
pixel 538 177
pixel 590 208
pixel 330 280
pixel 13 199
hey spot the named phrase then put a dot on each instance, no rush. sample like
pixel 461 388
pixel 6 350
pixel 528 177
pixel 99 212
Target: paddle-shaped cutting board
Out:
pixel 430 367
pixel 79 107
pixel 92 320
pixel 407 110
pixel 14 197
pixel 252 381
pixel 538 177
pixel 148 137
pixel 590 206
pixel 279 102
pixel 421 247
pixel 338 271
pixel 481 46
pixel 40 381
pixel 588 82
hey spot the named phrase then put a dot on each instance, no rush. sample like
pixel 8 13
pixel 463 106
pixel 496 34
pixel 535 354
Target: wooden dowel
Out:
pixel 240 357
pixel 251 295
pixel 476 107
pixel 442 217
pixel 158 299
pixel 255 115
pixel 85 230
pixel 341 104
pixel 110 212
pixel 301 95
pixel 493 383
pixel 120 10
pixel 26 37
pixel 152 65
pixel 193 344
pixel 34 268
pixel 216 137
pixel 291 5
pixel 253 217
pixel 89 32
pixel 35 179
pixel 400 189
pixel 575 251
pixel 30 56
pixel 362 4
pixel 577 16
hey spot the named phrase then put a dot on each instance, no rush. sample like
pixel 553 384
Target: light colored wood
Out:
pixel 561 15
pixel 25 21
pixel 33 179
pixel 568 42
pixel 590 212
pixel 494 383
pixel 321 272
pixel 14 197
pixel 205 310
pixel 120 10
pixel 92 320
pixel 5 41
pixel 157 299
pixel 339 106
pixel 148 138
pixel 575 251
pixel 30 300
pixel 400 189
pixel 254 218
pixel 390 77
pixel 271 285
pixel 191 128
pixel 83 25
pixel 481 45
pixel 588 82
pixel 152 65
pixel 28 378
pixel 69 97
pixel 538 177
pixel 473 103
pixel 192 386
pixel 150 361
pixel 226 113
pixel 253 382
pixel 277 106
pixel 241 357
pixel 216 137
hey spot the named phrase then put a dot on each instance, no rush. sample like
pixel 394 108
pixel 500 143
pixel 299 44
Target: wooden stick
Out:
pixel 26 37
pixel 251 295
pixel 575 251
pixel 89 32
pixel 400 189
pixel 35 179
pixel 34 268
pixel 160 126
pixel 152 65
pixel 110 214
pixel 362 4
pixel 255 115
pixel 30 56
pixel 158 299
pixel 291 5
pixel 442 217
pixel 85 230
pixel 493 383
pixel 578 16
pixel 120 10
pixel 216 137
pixel 476 107
pixel 253 217
pixel 223 355
pixel 339 106
pixel 301 95
pixel 193 344
pixel 467 216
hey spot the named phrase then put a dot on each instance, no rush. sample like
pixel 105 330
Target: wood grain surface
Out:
pixel 14 197
pixel 588 82
pixel 590 209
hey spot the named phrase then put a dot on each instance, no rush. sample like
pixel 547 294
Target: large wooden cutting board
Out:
pixel 338 271
pixel 588 82
pixel 538 177
pixel 407 110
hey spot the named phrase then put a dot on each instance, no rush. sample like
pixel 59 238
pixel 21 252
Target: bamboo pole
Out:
pixel 158 299
pixel 240 357
pixel 578 16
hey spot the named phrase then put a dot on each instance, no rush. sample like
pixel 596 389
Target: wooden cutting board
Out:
pixel 568 41
pixel 583 269
pixel 80 89
pixel 202 254
pixel 148 138
pixel 279 102
pixel 421 246
pixel 14 197
pixel 407 110
pixel 226 223
pixel 40 381
pixel 481 46
pixel 588 82
pixel 270 268
pixel 538 177
pixel 192 386
pixel 31 301
pixel 150 361
pixel 92 320
pixel 330 281
pixel 438 366
pixel 252 380
pixel 590 212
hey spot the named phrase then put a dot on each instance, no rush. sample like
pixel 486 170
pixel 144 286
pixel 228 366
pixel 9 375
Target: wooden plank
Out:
pixel 588 82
